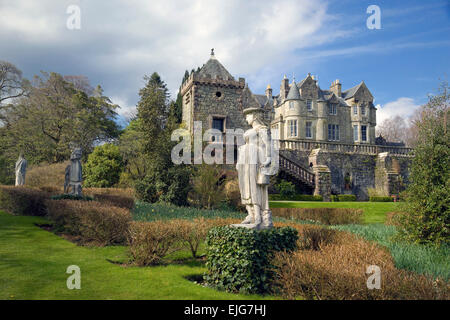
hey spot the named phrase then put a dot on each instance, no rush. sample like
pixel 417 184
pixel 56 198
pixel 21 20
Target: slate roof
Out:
pixel 215 70
pixel 294 93
pixel 347 94
pixel 262 99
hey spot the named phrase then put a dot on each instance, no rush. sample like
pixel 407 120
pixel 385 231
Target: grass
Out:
pixel 431 261
pixel 374 212
pixel 33 265
pixel 157 211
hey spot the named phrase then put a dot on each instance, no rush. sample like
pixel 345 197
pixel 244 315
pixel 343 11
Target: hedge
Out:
pixel 343 197
pixel 239 259
pixel 327 216
pixel 381 199
pixel 23 201
pixel 297 197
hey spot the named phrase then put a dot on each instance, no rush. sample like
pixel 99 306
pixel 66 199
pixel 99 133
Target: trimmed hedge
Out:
pixel 239 259
pixel 381 199
pixel 90 221
pixel 327 216
pixel 343 197
pixel 296 197
pixel 23 201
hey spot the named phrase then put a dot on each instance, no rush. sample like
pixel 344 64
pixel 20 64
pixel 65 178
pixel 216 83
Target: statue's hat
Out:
pixel 252 110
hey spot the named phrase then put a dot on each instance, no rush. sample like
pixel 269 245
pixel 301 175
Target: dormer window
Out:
pixel 355 109
pixel 332 109
pixel 309 104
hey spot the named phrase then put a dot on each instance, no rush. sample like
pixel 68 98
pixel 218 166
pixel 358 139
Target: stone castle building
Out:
pixel 326 136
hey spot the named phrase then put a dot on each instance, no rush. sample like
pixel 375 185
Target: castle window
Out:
pixel 292 125
pixel 308 132
pixel 363 110
pixel 355 133
pixel 355 109
pixel 333 132
pixel 332 108
pixel 364 133
pixel 309 104
pixel 218 94
pixel 217 123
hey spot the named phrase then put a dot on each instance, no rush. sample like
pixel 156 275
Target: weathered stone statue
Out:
pixel 255 166
pixel 74 176
pixel 21 168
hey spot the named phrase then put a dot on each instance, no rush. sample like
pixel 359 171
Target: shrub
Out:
pixel 338 271
pixel 286 189
pixel 47 177
pixel 381 199
pixel 23 201
pixel 150 242
pixel 91 222
pixel 427 218
pixel 328 216
pixel 238 259
pixel 170 185
pixel 103 167
pixel 123 198
pixel 296 197
pixel 66 196
pixel 193 232
pixel 343 197
pixel 314 237
pixel 233 194
pixel 392 218
pixel 208 186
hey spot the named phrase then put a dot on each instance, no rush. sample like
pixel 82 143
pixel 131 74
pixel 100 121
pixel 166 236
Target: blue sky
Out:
pixel 120 41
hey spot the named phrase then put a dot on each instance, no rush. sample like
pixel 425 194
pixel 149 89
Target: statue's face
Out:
pixel 250 118
pixel 76 154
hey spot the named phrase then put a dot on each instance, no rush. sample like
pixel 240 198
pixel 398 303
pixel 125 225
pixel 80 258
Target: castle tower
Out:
pixel 213 97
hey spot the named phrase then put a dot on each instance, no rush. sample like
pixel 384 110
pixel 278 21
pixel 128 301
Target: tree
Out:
pixel 427 216
pixel 11 83
pixel 393 129
pixel 163 180
pixel 54 117
pixel 103 167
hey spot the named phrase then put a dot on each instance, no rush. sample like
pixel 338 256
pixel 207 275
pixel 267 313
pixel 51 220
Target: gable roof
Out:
pixel 215 70
pixel 347 94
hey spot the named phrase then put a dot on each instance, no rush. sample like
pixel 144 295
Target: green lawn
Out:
pixel 33 265
pixel 374 212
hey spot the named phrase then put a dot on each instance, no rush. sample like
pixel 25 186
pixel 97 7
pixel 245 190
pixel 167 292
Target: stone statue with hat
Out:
pixel 255 165
pixel 21 169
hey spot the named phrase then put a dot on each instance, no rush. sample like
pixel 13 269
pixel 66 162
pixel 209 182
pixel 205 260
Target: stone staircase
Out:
pixel 296 170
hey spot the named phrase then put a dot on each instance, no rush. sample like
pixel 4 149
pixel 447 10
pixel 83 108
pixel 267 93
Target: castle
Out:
pixel 326 137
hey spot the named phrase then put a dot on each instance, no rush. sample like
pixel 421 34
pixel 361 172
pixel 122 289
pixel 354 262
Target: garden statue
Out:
pixel 255 166
pixel 73 176
pixel 21 168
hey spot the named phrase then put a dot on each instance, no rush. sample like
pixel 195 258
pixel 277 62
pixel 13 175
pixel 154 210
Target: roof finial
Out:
pixel 212 52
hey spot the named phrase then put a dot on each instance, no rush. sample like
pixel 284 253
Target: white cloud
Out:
pixel 120 41
pixel 403 107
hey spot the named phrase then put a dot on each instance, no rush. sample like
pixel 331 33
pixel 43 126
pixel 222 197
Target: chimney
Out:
pixel 336 87
pixel 269 92
pixel 284 88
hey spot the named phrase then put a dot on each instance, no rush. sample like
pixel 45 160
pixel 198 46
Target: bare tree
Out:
pixel 11 82
pixel 393 129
